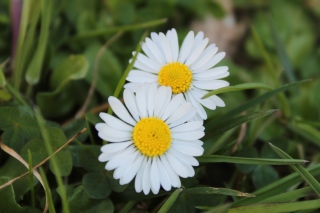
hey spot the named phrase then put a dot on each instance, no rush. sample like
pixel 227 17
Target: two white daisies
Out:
pixel 155 138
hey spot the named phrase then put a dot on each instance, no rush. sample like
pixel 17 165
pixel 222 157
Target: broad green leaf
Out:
pixel 289 196
pixel 211 190
pixel 277 187
pixel 166 206
pixel 249 152
pixel 74 127
pixel 81 202
pixel 60 101
pixel 4 96
pixel 96 185
pixel 277 207
pixel 300 170
pixel 251 103
pixel 110 30
pixel 8 202
pixel 89 159
pixel 238 120
pixel 18 126
pixel 2 78
pixel 258 161
pixel 74 67
pixel 237 88
pixel 263 175
pixel 307 131
pixel 34 70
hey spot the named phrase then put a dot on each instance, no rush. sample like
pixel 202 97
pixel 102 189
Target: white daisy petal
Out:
pixel 130 102
pixel 146 180
pixel 183 110
pixel 140 76
pixel 122 169
pixel 152 90
pixel 105 137
pixel 174 45
pixel 155 176
pixel 138 64
pixel 166 101
pixel 186 47
pixel 117 160
pixel 133 169
pixel 108 130
pixel 218 101
pixel 213 61
pixel 184 118
pixel 197 40
pixel 166 47
pixel 207 54
pixel 155 51
pixel 191 126
pixel 188 148
pixel 156 40
pixel 205 102
pixel 132 86
pixel 174 178
pixel 115 122
pixel 145 60
pixel 217 71
pixel 197 52
pixel 114 147
pixel 196 104
pixel 120 110
pixel 180 167
pixel 210 85
pixel 141 99
pixel 104 157
pixel 138 181
pixel 188 136
pixel 161 98
pixel 189 160
pixel 164 177
pixel 173 105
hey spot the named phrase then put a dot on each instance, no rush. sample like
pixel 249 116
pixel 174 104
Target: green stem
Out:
pixel 31 179
pixel 16 95
pixel 47 188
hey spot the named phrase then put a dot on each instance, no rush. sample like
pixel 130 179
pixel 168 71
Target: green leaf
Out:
pixel 264 175
pixel 80 202
pixel 110 30
pixel 96 185
pixel 34 70
pixel 258 161
pixel 238 120
pixel 2 78
pixel 211 190
pixel 18 126
pixel 300 170
pixel 249 152
pixel 277 207
pixel 89 159
pixel 166 206
pixel 60 101
pixel 237 88
pixel 251 103
pixel 8 202
pixel 290 196
pixel 307 131
pixel 4 96
pixel 74 127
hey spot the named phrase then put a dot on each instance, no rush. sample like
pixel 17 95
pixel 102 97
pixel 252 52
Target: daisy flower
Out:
pixel 188 71
pixel 151 139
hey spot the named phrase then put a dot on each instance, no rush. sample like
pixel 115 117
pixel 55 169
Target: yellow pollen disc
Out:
pixel 152 136
pixel 176 75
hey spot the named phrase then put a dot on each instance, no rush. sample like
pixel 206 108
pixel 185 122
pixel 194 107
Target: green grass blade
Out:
pixel 237 88
pixel 299 169
pixel 241 160
pixel 289 196
pixel 31 182
pixel 55 166
pixel 110 30
pixel 282 53
pixel 173 197
pixel 47 188
pixel 277 207
pixel 252 103
pixel 277 187
pixel 34 70
pixel 307 131
pixel 238 120
pixel 128 69
pixel 211 190
pixel 2 78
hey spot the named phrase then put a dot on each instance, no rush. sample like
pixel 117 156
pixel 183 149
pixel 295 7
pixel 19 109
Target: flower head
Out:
pixel 187 71
pixel 151 140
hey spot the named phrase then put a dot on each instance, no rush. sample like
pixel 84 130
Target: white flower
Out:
pixel 152 142
pixel 188 70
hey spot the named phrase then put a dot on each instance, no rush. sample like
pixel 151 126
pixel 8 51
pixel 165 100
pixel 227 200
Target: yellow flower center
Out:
pixel 176 75
pixel 152 136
